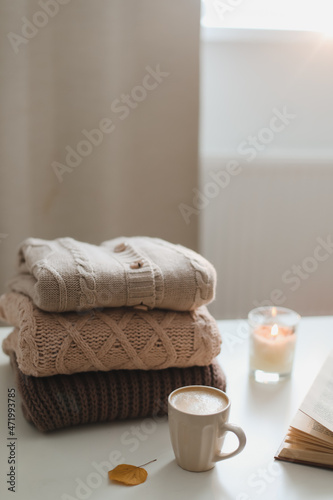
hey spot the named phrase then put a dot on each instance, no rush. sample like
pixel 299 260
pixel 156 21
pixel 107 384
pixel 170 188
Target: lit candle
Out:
pixel 272 342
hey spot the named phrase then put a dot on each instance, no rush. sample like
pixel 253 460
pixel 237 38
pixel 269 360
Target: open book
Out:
pixel 309 439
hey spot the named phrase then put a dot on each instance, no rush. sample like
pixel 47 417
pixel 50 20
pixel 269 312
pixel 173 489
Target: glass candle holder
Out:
pixel 272 343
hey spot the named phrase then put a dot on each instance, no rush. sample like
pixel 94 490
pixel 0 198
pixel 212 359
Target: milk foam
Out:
pixel 199 402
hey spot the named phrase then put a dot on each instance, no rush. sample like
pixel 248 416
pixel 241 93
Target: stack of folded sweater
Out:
pixel 107 332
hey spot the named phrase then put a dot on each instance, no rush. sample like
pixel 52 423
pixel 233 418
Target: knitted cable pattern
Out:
pixel 108 339
pixel 68 275
pixel 65 400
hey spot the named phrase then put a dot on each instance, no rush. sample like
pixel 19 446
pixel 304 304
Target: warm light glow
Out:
pixel 274 330
pixel 274 312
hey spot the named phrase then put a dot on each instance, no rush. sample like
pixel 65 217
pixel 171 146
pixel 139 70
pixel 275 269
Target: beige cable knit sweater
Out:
pixel 68 275
pixel 106 339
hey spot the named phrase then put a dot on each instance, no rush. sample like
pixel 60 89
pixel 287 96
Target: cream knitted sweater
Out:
pixel 106 339
pixel 68 275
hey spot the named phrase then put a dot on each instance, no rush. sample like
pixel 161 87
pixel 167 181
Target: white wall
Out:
pixel 271 214
pixel 242 80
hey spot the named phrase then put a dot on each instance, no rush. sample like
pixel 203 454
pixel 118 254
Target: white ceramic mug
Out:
pixel 198 426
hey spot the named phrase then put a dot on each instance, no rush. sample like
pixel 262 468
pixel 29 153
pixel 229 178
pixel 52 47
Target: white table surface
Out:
pixel 51 466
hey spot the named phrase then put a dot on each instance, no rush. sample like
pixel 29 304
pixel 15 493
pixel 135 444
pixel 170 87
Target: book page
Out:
pixel 318 403
pixel 306 424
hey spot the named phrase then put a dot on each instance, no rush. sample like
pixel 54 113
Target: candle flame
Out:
pixel 274 311
pixel 274 330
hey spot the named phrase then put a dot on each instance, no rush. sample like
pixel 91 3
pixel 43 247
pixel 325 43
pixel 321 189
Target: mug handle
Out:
pixel 241 444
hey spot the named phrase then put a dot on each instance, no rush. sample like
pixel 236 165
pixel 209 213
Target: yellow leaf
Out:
pixel 128 474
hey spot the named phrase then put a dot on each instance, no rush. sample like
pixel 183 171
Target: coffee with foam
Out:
pixel 199 401
pixel 198 421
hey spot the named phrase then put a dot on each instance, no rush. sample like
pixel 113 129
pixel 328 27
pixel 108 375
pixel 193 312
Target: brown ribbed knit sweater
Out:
pixel 68 275
pixel 113 338
pixel 64 400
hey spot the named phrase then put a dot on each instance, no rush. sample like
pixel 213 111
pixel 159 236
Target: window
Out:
pixel 296 15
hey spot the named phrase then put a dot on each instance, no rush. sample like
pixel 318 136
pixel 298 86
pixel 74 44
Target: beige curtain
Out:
pixel 99 120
